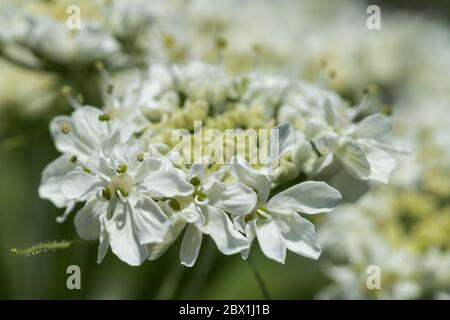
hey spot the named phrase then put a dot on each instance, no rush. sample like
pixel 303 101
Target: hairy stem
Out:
pixel 49 246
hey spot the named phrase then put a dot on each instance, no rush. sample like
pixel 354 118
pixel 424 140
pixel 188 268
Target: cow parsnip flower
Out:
pixel 206 211
pixel 141 192
pixel 119 189
pixel 275 221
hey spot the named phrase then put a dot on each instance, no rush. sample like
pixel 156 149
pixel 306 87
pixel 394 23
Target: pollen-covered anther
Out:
pixel 65 128
pixel 104 194
pixel 195 181
pixel 221 43
pixel 262 213
pixel 104 117
pixel 174 204
pixel 121 168
pixel 200 198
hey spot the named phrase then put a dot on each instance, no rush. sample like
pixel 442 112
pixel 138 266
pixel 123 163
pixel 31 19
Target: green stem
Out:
pixel 259 279
pixel 49 246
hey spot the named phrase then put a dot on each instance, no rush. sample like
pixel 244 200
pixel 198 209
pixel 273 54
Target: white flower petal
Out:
pixel 52 179
pixel 89 129
pixel 157 249
pixel 190 246
pixel 150 223
pixel 169 183
pixel 250 232
pixel 351 188
pixel 68 142
pixel 87 219
pixel 147 166
pixel 103 245
pixel 282 140
pixel 79 185
pixel 213 177
pixel 298 234
pixel 122 238
pixel 84 135
pixel 354 160
pixel 221 229
pixel 252 178
pixel 381 164
pixel 197 170
pixel 236 198
pixel 308 197
pixel 374 127
pixel 270 241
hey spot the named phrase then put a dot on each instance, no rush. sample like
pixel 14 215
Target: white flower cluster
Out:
pixel 139 195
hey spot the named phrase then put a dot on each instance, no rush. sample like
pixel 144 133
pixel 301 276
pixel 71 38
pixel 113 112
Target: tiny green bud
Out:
pixel 174 204
pixel 121 168
pixel 387 110
pixel 257 49
pixel 195 181
pixel 104 117
pixel 80 98
pixel 221 43
pixel 109 89
pixel 168 41
pixel 332 74
pixel 65 128
pixel 106 193
pixel 66 90
pixel 99 65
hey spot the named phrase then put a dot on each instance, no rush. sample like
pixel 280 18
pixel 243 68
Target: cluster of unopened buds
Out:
pixel 191 148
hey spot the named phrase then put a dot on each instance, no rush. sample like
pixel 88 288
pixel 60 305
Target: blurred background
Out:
pixel 403 227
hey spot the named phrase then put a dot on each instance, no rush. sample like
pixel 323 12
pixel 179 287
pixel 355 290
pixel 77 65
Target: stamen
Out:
pixel 67 92
pixel 122 195
pixel 121 168
pixel 65 128
pixel 174 204
pixel 140 157
pixel 221 45
pixel 106 193
pixel 249 218
pixel 262 213
pixel 104 117
pixel 200 201
pixel 195 181
pixel 69 208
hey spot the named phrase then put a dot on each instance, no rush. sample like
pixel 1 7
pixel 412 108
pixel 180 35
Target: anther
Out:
pixel 221 43
pixel 65 128
pixel 195 181
pixel 174 204
pixel 106 193
pixel 104 117
pixel 121 168
pixel 122 195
